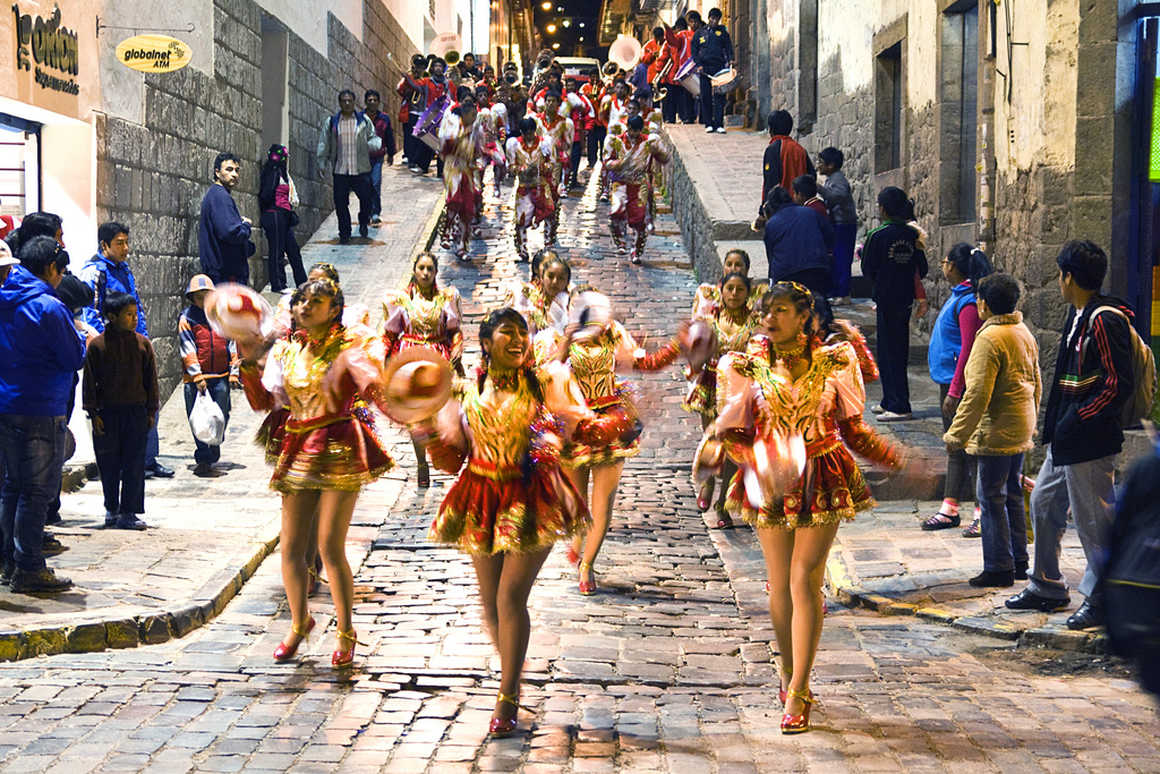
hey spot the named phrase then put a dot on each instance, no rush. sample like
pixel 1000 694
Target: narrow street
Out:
pixel 667 669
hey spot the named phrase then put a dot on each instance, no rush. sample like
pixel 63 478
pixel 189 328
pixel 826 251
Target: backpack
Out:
pixel 1139 405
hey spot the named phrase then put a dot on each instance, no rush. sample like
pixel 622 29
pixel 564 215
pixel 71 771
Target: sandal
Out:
pixel 973 531
pixel 724 520
pixel 705 496
pixel 940 521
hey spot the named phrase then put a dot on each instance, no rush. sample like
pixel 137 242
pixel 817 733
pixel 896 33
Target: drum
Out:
pixel 427 127
pixel 722 80
pixel 689 79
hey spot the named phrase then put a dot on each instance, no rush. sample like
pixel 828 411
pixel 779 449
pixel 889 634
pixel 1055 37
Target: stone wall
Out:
pixel 152 177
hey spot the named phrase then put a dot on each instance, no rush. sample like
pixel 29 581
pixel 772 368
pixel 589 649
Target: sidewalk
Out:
pixel 206 536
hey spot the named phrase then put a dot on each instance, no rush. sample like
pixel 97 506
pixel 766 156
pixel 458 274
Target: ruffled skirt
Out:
pixel 581 455
pixel 489 511
pixel 271 433
pixel 702 395
pixel 341 453
pixel 838 491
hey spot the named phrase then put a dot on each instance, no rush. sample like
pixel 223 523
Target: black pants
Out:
pixel 409 141
pixel 343 185
pixel 425 153
pixel 574 161
pixel 712 105
pixel 686 105
pixel 120 453
pixel 893 353
pixel 817 280
pixel 669 103
pixel 595 143
pixel 280 238
pixel 960 484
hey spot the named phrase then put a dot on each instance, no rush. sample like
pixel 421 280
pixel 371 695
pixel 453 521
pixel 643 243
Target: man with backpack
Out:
pixel 108 272
pixel 1093 394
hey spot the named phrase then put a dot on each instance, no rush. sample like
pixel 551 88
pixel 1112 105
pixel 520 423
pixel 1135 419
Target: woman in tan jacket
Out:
pixel 995 422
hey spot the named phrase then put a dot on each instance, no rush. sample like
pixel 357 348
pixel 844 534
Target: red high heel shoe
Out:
pixel 796 724
pixel 705 496
pixel 587 587
pixel 344 658
pixel 283 653
pixel 505 726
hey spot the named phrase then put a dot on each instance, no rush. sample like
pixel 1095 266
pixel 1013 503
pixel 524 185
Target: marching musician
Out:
pixel 410 106
pixel 594 90
pixel 680 40
pixel 434 89
pixel 713 51
pixel 583 117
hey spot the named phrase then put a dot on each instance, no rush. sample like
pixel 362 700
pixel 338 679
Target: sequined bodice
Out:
pixel 303 369
pixel 732 336
pixel 804 405
pixel 499 421
pixel 594 365
pixel 424 315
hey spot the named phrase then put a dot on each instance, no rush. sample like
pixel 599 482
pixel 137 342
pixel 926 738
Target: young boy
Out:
pixel 995 422
pixel 839 199
pixel 211 365
pixel 119 393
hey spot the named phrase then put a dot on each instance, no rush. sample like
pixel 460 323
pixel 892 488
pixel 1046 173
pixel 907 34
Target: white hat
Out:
pixel 6 257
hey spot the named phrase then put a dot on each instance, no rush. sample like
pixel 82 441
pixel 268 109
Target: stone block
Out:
pixel 48 641
pixel 153 629
pixel 86 638
pixel 11 647
pixel 186 619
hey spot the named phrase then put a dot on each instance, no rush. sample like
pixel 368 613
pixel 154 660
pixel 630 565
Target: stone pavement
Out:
pixel 666 670
pixel 207 536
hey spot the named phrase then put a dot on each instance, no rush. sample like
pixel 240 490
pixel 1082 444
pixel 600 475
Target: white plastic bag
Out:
pixel 207 421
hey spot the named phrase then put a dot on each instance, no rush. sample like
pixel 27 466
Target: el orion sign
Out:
pixel 50 44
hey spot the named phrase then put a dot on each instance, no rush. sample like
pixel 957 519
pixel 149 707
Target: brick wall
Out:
pixel 152 177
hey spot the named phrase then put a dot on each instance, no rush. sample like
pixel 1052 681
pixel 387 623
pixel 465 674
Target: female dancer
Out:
pixel 423 314
pixel 707 299
pixel 951 340
pixel 813 391
pixel 593 361
pixel 530 159
pixel 539 300
pixel 510 503
pixel 732 323
pixel 460 150
pixel 324 374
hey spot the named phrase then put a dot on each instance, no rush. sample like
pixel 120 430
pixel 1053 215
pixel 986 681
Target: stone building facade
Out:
pixel 1017 125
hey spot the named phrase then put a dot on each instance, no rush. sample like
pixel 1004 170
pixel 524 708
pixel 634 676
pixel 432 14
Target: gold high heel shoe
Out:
pixel 505 726
pixel 344 658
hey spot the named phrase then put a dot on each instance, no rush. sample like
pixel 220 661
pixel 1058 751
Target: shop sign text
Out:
pixel 153 53
pixel 50 44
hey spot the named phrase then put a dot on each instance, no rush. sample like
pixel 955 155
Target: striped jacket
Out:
pixel 1093 380
pixel 202 350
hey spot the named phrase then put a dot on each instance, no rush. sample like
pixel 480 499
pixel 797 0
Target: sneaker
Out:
pixel 130 521
pixel 877 408
pixel 51 546
pixel 635 258
pixel 708 130
pixel 39 581
pixel 720 130
pixel 416 170
pixel 376 222
pixel 894 416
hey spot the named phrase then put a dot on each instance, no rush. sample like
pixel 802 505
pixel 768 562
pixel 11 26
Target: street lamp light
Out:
pixel 551 29
pixel 546 5
pixel 556 45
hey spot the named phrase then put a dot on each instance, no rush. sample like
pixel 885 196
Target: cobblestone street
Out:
pixel 667 668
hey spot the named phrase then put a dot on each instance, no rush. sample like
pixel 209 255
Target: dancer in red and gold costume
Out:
pixel 593 353
pixel 557 130
pixel 814 393
pixel 424 315
pixel 530 158
pixel 492 122
pixel 325 375
pixel 732 323
pixel 613 116
pixel 544 301
pixel 511 502
pixel 460 150
pixel 707 299
pixel 627 160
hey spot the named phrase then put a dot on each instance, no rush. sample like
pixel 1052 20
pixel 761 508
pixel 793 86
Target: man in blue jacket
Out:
pixel 40 352
pixel 108 272
pixel 223 235
pixel 713 51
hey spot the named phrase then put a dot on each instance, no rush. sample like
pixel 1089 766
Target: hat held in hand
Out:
pixel 417 384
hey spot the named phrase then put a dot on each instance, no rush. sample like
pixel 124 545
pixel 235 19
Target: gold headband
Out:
pixel 799 288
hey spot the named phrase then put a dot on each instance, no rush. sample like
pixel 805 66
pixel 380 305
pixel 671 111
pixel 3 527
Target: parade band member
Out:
pixel 510 503
pixel 530 159
pixel 459 140
pixel 325 375
pixel 628 161
pixel 434 88
pixel 814 392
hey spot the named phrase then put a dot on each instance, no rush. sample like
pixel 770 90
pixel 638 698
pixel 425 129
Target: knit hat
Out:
pixel 198 282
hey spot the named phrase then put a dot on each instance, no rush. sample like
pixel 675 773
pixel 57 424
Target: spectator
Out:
pixel 1081 429
pixel 386 135
pixel 951 340
pixel 7 261
pixel 891 259
pixel 223 235
pixel 713 52
pixel 108 272
pixel 345 145
pixel 35 224
pixel 119 393
pixel 798 242
pixel 839 199
pixel 805 193
pixel 40 352
pixel 210 366
pixel 995 422
pixel 784 160
pixel 277 198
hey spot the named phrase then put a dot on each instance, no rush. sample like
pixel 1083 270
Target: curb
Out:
pixel 145 629
pixel 842 587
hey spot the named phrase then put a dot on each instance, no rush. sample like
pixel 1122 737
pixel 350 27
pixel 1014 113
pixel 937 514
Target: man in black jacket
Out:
pixel 1093 380
pixel 713 51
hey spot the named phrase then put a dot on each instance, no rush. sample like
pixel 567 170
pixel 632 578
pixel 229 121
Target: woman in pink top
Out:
pixel 951 340
pixel 277 197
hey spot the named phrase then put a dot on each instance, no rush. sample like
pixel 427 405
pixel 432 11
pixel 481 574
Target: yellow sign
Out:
pixel 153 53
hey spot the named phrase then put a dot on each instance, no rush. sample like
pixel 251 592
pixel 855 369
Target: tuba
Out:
pixel 624 52
pixel 451 57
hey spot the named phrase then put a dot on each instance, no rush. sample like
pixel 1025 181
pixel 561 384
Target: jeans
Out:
pixel 712 105
pixel 32 450
pixel 120 453
pixel 960 484
pixel 893 354
pixel 1000 498
pixel 343 185
pixel 219 391
pixel 280 238
pixel 1085 489
pixel 376 186
pixel 845 235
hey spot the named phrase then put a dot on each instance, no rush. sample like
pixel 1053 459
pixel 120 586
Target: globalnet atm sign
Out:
pixel 153 53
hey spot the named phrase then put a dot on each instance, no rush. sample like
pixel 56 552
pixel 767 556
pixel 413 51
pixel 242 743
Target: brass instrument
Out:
pixel 660 92
pixel 625 52
pixel 451 57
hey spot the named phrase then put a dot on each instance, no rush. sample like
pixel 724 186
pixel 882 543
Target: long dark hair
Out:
pixel 896 204
pixel 412 286
pixel 273 174
pixel 970 261
pixel 487 327
pixel 823 316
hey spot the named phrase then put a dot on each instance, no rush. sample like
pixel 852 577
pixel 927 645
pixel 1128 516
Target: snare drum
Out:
pixel 427 127
pixel 722 80
pixel 689 79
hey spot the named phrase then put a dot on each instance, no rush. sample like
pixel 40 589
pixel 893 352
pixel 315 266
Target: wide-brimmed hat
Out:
pixel 6 256
pixel 199 282
pixel 698 343
pixel 417 383
pixel 592 312
pixel 238 312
